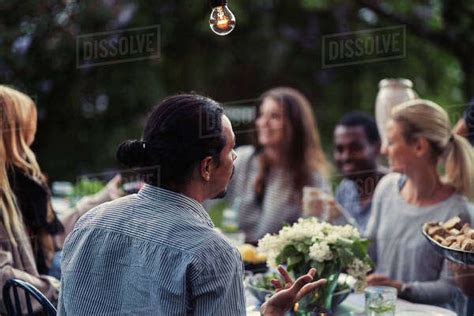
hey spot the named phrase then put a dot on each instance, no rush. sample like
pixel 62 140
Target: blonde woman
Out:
pixel 419 143
pixel 30 232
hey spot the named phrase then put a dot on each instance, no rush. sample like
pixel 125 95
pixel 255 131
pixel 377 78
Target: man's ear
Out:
pixel 206 168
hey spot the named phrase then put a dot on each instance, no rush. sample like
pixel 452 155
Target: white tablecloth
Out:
pixel 354 305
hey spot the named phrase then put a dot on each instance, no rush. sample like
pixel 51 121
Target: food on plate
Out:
pixel 452 234
pixel 249 254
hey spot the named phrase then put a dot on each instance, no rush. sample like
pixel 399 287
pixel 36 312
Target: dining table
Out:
pixel 354 305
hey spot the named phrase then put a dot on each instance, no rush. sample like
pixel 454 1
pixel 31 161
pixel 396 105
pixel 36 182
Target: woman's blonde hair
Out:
pixel 423 118
pixel 17 125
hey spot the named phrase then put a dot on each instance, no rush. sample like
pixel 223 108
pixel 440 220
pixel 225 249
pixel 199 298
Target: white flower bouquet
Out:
pixel 328 248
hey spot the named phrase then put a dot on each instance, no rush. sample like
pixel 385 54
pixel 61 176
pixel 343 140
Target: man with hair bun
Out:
pixel 156 252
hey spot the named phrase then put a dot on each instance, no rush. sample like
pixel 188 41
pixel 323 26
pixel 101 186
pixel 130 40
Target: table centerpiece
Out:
pixel 330 249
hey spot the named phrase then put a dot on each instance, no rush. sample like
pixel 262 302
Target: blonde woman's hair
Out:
pixel 17 124
pixel 423 118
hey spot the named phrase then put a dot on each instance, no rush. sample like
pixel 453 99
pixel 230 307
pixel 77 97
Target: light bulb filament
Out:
pixel 222 21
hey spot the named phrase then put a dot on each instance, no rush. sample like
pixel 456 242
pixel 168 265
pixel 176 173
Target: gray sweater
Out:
pixel 401 252
pixel 280 204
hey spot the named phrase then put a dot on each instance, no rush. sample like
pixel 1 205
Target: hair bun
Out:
pixel 132 153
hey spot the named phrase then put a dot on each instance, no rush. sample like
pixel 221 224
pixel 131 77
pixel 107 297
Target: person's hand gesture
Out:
pixel 375 279
pixel 290 292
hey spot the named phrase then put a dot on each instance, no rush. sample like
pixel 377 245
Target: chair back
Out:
pixel 14 309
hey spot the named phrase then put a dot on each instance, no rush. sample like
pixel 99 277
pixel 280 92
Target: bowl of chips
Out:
pixel 452 239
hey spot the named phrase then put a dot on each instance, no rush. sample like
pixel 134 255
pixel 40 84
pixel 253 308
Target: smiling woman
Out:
pixel 269 176
pixel 419 140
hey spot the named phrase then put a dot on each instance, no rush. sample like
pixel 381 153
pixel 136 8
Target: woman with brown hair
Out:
pixel 30 232
pixel 266 190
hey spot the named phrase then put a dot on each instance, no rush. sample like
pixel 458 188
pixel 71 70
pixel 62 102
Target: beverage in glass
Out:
pixel 380 300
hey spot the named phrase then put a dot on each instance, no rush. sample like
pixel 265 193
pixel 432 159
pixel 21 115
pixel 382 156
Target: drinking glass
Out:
pixel 316 203
pixel 380 300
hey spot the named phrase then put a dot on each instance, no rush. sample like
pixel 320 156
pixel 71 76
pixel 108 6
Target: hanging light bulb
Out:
pixel 222 21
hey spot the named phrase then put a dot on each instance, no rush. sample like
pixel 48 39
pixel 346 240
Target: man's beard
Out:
pixel 222 194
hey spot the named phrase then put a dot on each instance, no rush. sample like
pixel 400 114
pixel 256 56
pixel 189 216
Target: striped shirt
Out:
pixel 151 253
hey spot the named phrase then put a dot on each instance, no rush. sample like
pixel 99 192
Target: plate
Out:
pixel 455 255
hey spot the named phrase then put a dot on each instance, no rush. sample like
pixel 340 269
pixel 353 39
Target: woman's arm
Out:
pixel 69 217
pixel 49 286
pixel 438 291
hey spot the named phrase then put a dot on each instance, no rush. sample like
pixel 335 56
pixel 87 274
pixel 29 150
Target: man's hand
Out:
pixel 380 279
pixel 290 292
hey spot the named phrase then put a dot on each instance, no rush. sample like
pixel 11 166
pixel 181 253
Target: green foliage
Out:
pixel 276 42
pixel 86 186
pixel 216 213
pixel 296 256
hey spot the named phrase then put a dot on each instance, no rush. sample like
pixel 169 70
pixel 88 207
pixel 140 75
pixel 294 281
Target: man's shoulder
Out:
pixel 345 184
pixel 346 189
pixel 215 240
pixel 104 209
pixel 214 248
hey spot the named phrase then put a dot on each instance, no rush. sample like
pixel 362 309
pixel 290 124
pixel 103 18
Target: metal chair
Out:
pixel 30 291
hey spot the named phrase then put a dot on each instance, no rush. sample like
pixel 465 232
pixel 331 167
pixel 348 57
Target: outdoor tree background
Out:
pixel 85 113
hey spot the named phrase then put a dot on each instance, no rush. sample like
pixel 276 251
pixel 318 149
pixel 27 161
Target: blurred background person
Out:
pixel 464 274
pixel 464 278
pixel 266 190
pixel 419 140
pixel 30 232
pixel 356 151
